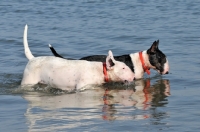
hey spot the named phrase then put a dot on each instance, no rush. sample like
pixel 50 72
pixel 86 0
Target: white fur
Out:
pixel 26 48
pixel 138 69
pixel 70 74
pixel 166 67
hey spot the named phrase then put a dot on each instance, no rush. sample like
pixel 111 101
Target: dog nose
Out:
pixel 125 81
pixel 167 72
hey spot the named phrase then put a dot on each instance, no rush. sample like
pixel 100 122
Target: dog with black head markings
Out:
pixel 72 74
pixel 139 62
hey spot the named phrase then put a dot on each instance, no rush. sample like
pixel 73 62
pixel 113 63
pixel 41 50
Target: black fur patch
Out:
pixel 127 60
pixel 102 58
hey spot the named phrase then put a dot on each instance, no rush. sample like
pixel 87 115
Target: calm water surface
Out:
pixel 80 28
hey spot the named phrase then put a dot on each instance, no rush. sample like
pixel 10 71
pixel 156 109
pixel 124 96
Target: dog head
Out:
pixel 118 70
pixel 158 59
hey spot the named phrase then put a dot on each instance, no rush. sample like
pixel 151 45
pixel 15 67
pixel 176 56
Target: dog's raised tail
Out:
pixel 26 47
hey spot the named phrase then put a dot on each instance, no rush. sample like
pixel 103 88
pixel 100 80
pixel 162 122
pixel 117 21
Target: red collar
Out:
pixel 105 72
pixel 146 69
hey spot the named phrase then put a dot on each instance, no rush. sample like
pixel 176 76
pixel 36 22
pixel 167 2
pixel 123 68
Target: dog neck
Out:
pixel 146 69
pixel 138 65
pixel 107 75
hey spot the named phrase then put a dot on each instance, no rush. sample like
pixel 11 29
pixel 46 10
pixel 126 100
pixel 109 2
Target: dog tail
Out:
pixel 54 52
pixel 26 47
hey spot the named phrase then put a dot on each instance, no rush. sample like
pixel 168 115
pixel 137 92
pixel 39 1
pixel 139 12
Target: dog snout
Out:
pixel 129 80
pixel 132 79
pixel 126 81
pixel 162 73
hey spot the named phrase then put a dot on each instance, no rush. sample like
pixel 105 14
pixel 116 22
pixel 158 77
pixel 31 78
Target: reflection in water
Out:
pixel 110 102
pixel 143 96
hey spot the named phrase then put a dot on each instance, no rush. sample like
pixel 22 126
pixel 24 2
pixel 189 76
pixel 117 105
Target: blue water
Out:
pixel 80 28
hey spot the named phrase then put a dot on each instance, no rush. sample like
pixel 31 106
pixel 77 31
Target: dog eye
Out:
pixel 159 58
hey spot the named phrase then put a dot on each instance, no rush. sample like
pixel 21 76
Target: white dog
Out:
pixel 72 74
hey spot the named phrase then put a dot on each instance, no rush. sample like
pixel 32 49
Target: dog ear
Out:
pixel 154 47
pixel 110 61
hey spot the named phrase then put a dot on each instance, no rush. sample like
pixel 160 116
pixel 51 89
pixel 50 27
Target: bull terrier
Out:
pixel 139 62
pixel 72 74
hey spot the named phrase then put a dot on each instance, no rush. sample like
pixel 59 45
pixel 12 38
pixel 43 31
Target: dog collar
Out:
pixel 105 72
pixel 146 69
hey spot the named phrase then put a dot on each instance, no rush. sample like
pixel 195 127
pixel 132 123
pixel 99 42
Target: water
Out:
pixel 80 28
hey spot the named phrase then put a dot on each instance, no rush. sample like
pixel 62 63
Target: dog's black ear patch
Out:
pixel 153 48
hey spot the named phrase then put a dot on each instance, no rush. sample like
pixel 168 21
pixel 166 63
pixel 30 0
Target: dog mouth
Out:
pixel 128 82
pixel 163 72
pixel 167 72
